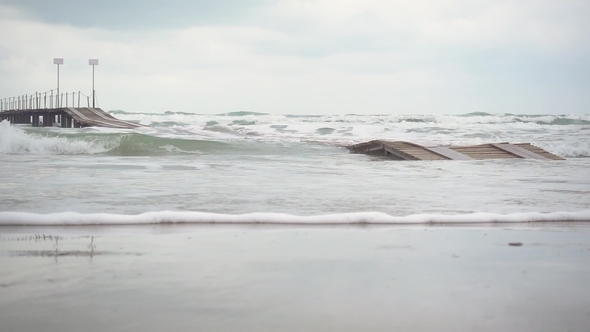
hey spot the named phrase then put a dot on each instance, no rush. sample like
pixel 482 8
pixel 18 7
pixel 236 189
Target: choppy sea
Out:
pixel 246 167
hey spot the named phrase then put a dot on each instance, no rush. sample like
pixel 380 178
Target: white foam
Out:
pixel 366 218
pixel 14 140
pixel 570 149
pixel 350 129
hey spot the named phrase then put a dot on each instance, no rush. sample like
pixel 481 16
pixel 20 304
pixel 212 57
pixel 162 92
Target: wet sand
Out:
pixel 262 278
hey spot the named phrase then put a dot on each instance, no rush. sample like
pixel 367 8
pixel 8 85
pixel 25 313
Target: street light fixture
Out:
pixel 93 62
pixel 58 61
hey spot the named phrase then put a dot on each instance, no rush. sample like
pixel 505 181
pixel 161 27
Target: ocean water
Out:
pixel 260 222
pixel 246 167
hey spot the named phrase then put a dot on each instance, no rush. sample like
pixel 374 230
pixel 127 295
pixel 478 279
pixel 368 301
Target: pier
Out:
pixel 49 110
pixel 399 150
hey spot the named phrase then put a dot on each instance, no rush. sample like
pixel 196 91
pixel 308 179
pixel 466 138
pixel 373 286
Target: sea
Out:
pixel 265 222
pixel 248 167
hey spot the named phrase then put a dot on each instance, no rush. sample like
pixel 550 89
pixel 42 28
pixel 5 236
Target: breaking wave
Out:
pixel 16 140
pixel 181 132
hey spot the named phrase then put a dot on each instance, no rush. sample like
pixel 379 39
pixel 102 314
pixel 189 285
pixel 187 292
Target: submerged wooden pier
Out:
pixel 65 117
pixel 399 150
pixel 47 109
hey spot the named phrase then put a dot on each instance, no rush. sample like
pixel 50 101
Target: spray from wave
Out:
pixel 188 133
pixel 565 135
pixel 14 140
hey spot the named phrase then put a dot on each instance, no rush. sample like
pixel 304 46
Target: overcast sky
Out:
pixel 304 56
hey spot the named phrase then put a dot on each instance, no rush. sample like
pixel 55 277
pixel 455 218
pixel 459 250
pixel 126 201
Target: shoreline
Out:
pixel 269 218
pixel 175 228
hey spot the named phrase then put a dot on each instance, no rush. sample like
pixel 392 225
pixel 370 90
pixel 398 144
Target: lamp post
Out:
pixel 93 62
pixel 58 61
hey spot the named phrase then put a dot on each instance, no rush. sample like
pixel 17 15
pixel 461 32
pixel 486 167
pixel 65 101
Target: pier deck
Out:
pixel 399 150
pixel 66 117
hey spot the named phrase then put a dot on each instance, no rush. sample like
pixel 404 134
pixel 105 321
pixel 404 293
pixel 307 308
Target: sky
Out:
pixel 304 56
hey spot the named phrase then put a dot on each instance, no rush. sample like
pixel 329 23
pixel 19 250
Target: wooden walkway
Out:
pixel 399 150
pixel 66 117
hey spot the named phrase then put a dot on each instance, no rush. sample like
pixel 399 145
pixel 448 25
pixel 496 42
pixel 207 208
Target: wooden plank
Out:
pixel 540 151
pixel 110 119
pixel 449 153
pixel 411 151
pixel 81 116
pixel 417 151
pixel 91 117
pixel 518 151
pixel 398 153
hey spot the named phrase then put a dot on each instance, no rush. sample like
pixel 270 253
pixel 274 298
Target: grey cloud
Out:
pixel 312 40
pixel 519 65
pixel 314 46
pixel 138 14
pixel 295 55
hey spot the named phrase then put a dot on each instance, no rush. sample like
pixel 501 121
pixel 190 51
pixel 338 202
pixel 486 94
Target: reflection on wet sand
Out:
pixel 57 251
pixel 221 278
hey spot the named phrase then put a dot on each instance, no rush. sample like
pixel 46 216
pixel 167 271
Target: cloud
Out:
pixel 136 14
pixel 311 56
pixel 485 23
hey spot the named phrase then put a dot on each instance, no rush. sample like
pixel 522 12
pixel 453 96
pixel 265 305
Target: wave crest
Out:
pixel 14 140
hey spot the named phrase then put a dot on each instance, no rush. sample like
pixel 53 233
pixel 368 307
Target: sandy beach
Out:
pixel 293 278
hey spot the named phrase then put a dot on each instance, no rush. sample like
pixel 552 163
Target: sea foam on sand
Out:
pixel 186 217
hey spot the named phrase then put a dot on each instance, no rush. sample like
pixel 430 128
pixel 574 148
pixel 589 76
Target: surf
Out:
pixel 358 218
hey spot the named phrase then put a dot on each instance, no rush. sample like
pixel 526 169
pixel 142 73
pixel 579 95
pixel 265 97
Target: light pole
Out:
pixel 58 61
pixel 93 62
